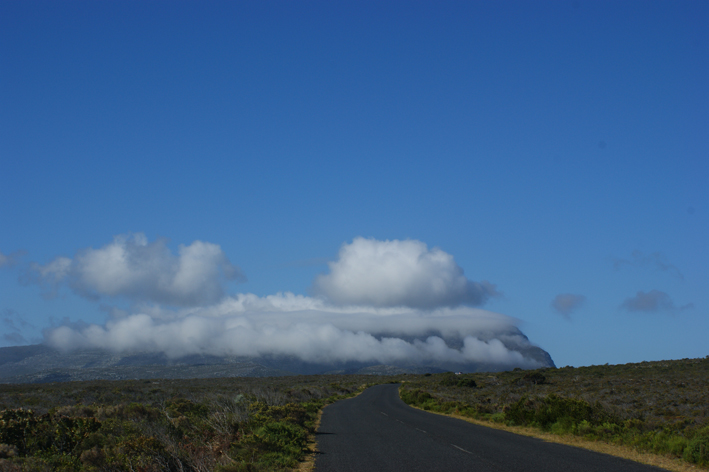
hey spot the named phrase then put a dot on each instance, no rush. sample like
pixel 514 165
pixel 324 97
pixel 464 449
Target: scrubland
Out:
pixel 264 424
pixel 657 407
pixel 224 425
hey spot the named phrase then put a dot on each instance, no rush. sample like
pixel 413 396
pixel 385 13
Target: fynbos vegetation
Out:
pixel 263 424
pixel 168 425
pixel 659 407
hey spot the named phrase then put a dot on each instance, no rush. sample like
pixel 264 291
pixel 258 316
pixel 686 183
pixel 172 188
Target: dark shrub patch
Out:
pixel 452 380
pixel 535 378
pixel 544 412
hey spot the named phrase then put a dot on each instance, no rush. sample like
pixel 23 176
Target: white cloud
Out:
pixel 133 268
pixel 398 273
pixel 50 276
pixel 382 302
pixel 56 271
pixel 566 303
pixel 313 331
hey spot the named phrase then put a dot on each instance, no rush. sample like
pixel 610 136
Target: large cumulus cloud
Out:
pixel 382 302
pixel 399 273
pixel 133 268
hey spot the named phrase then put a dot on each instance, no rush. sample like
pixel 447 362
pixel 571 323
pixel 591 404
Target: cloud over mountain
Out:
pixel 133 268
pixel 398 273
pixel 306 328
pixel 382 302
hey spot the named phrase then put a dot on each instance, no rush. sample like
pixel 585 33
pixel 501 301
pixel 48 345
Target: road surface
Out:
pixel 376 431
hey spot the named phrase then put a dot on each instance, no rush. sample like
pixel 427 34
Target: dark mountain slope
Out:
pixel 41 363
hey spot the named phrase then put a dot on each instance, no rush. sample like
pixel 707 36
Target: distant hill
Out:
pixel 40 364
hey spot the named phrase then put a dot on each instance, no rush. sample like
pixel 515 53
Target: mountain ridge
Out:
pixel 41 363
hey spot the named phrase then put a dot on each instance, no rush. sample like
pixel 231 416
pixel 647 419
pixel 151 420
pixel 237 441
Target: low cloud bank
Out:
pixel 302 327
pixel 386 302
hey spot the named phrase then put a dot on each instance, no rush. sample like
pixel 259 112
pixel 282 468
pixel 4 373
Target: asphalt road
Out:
pixel 376 431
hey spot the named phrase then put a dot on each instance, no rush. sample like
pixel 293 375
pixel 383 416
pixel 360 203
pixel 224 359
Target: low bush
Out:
pixel 546 411
pixel 453 380
pixel 697 449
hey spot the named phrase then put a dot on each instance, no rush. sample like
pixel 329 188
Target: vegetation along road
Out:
pixel 376 431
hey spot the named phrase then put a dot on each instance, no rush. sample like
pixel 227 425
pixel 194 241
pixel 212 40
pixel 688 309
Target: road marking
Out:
pixel 400 421
pixel 461 449
pixel 420 430
pixel 383 413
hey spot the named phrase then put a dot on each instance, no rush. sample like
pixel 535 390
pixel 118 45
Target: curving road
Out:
pixel 376 431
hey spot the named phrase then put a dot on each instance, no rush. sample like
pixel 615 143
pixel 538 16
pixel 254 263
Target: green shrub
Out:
pixel 498 417
pixel 415 397
pixel 676 445
pixel 466 383
pixel 697 450
pixel 583 428
pixel 237 467
pixel 452 380
pixel 535 378
pixel 544 412
pixel 282 443
pixel 183 407
pixel 281 436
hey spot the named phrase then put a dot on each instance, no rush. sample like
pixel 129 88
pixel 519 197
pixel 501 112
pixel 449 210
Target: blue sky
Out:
pixel 550 148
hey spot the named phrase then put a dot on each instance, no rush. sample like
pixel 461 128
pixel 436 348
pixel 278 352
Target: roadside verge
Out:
pixel 625 452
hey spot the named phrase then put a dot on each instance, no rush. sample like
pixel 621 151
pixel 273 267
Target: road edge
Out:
pixel 624 452
pixel 308 462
